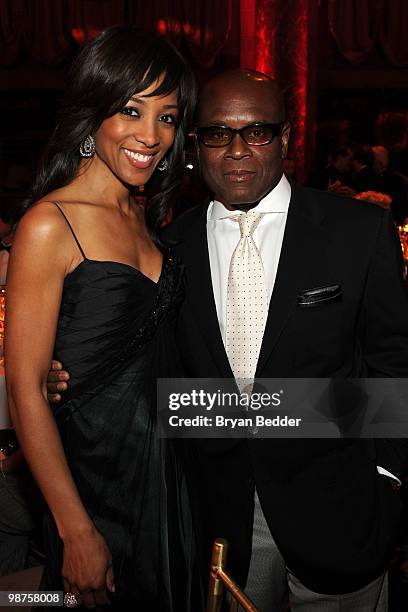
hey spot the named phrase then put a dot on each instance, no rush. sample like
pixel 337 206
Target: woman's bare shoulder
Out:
pixel 42 223
pixel 42 215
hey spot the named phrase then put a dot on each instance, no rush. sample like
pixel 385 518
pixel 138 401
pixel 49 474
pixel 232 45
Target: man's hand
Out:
pixel 56 382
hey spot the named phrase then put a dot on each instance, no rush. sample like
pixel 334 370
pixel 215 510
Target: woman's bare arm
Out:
pixel 36 274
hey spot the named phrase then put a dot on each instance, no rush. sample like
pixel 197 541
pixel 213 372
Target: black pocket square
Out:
pixel 319 295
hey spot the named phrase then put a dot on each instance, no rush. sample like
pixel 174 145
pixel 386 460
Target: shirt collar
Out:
pixel 277 200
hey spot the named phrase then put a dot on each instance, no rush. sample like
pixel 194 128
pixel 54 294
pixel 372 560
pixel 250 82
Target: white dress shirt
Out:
pixel 223 235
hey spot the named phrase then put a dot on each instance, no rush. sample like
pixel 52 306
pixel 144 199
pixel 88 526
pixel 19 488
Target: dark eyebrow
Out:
pixel 141 100
pixel 255 122
pixel 136 99
pixel 222 124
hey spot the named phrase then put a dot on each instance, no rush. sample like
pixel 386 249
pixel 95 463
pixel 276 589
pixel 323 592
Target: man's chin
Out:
pixel 240 203
pixel 244 206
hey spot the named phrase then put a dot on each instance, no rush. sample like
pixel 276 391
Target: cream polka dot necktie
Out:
pixel 247 301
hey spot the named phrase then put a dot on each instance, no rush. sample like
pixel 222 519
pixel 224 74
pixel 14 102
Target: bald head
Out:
pixel 243 84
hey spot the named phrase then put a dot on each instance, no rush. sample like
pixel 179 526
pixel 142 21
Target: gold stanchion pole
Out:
pixel 215 587
pixel 219 577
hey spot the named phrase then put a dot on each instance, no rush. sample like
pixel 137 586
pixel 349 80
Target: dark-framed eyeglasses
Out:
pixel 255 134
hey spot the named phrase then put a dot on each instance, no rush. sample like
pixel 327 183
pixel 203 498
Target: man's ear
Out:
pixel 285 138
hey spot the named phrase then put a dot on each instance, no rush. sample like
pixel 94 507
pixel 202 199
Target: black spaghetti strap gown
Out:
pixel 115 337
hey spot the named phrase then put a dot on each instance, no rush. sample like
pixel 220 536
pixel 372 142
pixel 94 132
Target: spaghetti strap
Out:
pixel 70 227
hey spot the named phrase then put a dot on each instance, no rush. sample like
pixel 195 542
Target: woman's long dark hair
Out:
pixel 120 62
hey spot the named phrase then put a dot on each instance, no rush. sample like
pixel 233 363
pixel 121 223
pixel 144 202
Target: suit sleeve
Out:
pixel 386 330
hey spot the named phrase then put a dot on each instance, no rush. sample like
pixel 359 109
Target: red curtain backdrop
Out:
pixel 354 26
pixel 86 18
pixel 393 32
pixel 206 26
pixel 36 26
pixel 203 25
pixel 277 38
pixel 165 17
pixel 46 29
pixel 358 26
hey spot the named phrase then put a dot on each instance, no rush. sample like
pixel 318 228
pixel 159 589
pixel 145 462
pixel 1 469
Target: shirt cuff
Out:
pixel 385 472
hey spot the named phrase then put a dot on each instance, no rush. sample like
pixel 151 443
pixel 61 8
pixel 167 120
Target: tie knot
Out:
pixel 248 223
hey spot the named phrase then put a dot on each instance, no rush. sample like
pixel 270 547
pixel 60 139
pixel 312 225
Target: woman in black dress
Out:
pixel 90 284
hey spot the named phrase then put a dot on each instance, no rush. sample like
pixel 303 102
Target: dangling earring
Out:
pixel 87 148
pixel 164 164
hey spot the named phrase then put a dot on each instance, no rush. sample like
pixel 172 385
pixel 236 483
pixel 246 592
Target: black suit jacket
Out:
pixel 331 514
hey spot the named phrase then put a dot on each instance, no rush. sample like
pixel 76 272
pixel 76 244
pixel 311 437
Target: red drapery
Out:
pixel 165 17
pixel 358 26
pixel 36 26
pixel 277 38
pixel 46 28
pixel 85 19
pixel 393 32
pixel 204 25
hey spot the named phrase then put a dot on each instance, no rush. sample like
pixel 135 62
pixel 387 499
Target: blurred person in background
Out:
pixel 20 504
pixel 334 177
pixel 363 178
pixel 391 183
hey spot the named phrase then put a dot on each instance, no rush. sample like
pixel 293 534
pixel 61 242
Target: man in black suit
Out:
pixel 327 507
pixel 330 512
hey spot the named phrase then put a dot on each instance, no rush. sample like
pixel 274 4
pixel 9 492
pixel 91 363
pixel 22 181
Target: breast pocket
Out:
pixel 319 296
pixel 322 325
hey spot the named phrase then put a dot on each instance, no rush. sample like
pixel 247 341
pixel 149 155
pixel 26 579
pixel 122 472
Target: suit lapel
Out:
pixel 303 247
pixel 199 294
